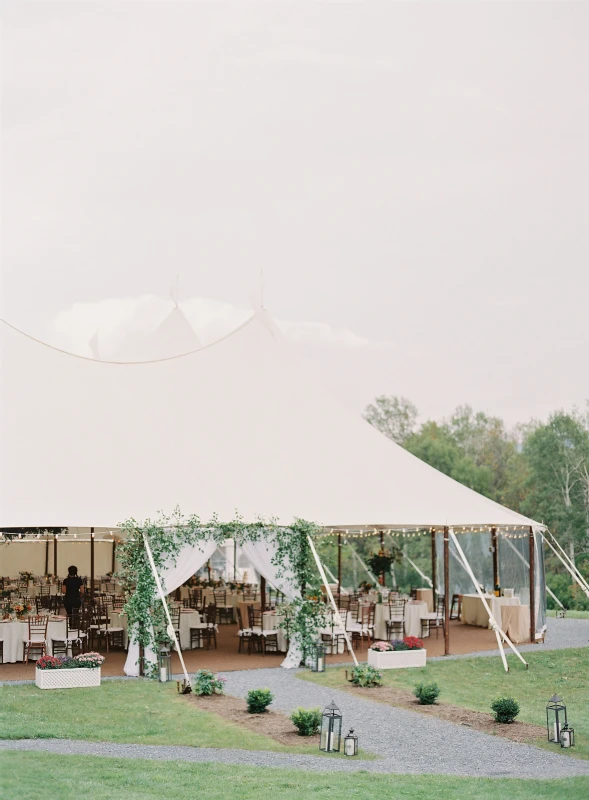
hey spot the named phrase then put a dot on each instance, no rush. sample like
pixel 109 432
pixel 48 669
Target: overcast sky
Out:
pixel 411 178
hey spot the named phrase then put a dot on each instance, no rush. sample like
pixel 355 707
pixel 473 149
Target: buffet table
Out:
pixel 475 613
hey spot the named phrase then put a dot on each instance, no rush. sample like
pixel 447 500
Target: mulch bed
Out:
pixel 270 723
pixel 479 720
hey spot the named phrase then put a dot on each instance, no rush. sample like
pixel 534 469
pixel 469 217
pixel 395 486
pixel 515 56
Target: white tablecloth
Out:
pixel 189 619
pixel 474 612
pixel 14 635
pixel 270 622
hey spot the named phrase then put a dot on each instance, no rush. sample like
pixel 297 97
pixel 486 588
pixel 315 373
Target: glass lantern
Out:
pixel 331 729
pixel 567 736
pixel 164 665
pixel 317 657
pixel 556 718
pixel 351 744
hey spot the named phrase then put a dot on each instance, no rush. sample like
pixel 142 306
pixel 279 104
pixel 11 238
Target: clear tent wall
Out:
pixel 513 566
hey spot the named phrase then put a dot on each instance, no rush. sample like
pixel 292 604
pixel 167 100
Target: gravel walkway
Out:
pixel 406 741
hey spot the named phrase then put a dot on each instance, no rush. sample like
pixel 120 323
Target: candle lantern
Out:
pixel 317 657
pixel 556 718
pixel 351 744
pixel 331 729
pixel 567 736
pixel 164 664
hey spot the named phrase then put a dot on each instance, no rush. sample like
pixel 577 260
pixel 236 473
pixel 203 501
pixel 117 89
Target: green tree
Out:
pixel 557 456
pixel 393 416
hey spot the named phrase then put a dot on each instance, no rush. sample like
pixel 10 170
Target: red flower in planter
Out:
pixel 413 643
pixel 48 662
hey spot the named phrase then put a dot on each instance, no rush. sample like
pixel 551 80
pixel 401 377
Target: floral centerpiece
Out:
pixel 407 652
pixel 26 576
pixel 380 563
pixel 65 672
pixel 21 609
pixel 366 586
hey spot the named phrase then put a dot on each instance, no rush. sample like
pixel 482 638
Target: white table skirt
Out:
pixel 270 622
pixel 414 613
pixel 14 635
pixel 474 612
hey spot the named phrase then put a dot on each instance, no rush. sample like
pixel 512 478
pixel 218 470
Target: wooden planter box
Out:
pixel 396 659
pixel 67 678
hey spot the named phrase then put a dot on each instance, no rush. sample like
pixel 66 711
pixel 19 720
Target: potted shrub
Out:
pixel 407 652
pixel 68 673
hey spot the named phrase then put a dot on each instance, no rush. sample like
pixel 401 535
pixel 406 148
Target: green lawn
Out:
pixel 141 712
pixel 475 682
pixel 28 776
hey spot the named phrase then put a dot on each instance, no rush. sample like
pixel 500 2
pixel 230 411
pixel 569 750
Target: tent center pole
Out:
pixel 92 564
pixel 532 588
pixel 495 557
pixel 339 569
pixel 446 591
pixel 434 559
pixel 55 555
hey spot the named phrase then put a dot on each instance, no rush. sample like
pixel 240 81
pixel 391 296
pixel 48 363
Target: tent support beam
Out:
pixel 55 555
pixel 422 574
pixel 495 557
pixel 336 613
pixel 492 620
pixel 434 565
pixel 47 555
pixel 446 591
pixel 170 629
pixel 262 593
pixel 532 587
pixel 92 563
pixel 339 568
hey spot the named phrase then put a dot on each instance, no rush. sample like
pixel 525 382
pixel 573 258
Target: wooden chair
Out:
pixel 244 633
pixel 210 632
pixel 37 637
pixel 75 637
pixel 255 626
pixel 456 606
pixel 395 629
pixel 396 609
pixel 224 610
pixel 413 592
pixel 175 617
pixel 100 629
pixel 364 628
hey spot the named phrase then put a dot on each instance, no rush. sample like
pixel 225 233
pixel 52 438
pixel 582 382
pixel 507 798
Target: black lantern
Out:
pixel 351 744
pixel 317 657
pixel 164 664
pixel 567 736
pixel 331 729
pixel 556 718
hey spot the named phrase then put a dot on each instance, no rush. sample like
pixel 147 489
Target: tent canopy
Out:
pixel 237 426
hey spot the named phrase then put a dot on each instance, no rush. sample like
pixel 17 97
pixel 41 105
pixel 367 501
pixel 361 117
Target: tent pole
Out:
pixel 47 555
pixel 383 577
pixel 262 593
pixel 339 568
pixel 55 554
pixel 235 559
pixel 495 557
pixel 114 557
pixel 446 591
pixel 492 620
pixel 336 613
pixel 532 587
pixel 434 565
pixel 92 563
pixel 170 628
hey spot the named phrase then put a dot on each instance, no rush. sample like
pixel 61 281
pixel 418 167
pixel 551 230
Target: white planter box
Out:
pixel 396 659
pixel 67 678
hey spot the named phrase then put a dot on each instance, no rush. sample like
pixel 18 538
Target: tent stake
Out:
pixel 336 613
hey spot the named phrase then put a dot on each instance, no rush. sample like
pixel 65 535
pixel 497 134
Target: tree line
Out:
pixel 540 469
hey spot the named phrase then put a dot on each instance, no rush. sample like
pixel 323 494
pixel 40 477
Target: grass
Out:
pixel 474 683
pixel 570 614
pixel 28 776
pixel 136 712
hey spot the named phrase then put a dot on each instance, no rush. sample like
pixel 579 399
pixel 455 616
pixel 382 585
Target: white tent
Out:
pixel 235 426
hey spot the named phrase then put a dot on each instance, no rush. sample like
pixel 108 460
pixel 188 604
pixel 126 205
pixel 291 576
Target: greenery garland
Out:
pixel 168 535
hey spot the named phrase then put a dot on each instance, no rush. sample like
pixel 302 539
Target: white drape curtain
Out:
pixel 260 554
pixel 190 559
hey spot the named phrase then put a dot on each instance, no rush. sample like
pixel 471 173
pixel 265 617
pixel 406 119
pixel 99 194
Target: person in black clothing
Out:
pixel 72 588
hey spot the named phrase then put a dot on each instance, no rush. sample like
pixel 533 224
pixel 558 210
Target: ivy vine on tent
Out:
pixel 167 536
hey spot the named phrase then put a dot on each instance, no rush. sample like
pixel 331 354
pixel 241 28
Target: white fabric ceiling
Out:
pixel 235 426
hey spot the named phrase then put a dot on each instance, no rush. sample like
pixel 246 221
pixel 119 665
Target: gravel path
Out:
pixel 406 741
